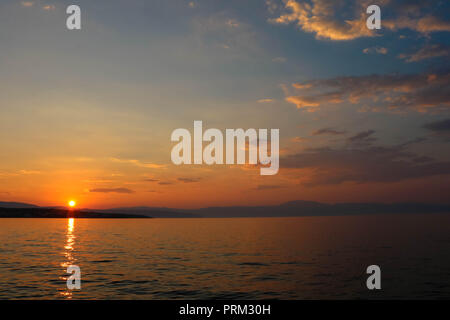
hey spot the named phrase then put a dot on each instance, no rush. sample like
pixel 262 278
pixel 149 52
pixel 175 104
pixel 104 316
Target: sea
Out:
pixel 227 258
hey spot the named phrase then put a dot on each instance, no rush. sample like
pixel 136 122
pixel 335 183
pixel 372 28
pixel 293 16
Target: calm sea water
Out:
pixel 256 258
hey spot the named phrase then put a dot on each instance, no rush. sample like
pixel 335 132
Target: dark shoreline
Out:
pixel 61 213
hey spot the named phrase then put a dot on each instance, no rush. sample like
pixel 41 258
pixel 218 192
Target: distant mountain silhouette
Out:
pixel 288 209
pixel 296 208
pixel 155 212
pixel 310 208
pixel 16 205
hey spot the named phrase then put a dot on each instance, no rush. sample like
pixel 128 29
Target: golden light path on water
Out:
pixel 68 253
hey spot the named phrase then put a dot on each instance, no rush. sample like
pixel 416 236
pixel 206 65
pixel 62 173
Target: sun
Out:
pixel 72 203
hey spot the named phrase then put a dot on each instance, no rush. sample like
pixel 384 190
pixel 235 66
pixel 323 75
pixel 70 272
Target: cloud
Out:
pixel 363 165
pixel 265 100
pixel 224 32
pixel 114 190
pixel 272 6
pixel 27 3
pixel 49 7
pixel 29 172
pixel 362 137
pixel 303 102
pixel 416 15
pixel 233 23
pixel 379 50
pixel 151 180
pixel 268 187
pixel 302 85
pixel 192 4
pixel 439 127
pixel 139 163
pixel 97 180
pixel 327 131
pixel 165 183
pixel 427 52
pixel 320 17
pixel 346 20
pixel 395 92
pixel 19 172
pixel 298 139
pixel 423 25
pixel 189 180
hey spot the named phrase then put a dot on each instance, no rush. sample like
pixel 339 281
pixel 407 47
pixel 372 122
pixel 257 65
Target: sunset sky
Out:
pixel 87 115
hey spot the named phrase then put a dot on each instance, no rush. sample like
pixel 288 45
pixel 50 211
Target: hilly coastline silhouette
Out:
pixel 24 210
pixel 298 208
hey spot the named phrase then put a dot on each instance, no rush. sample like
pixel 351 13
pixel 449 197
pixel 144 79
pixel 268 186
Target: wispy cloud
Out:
pixel 327 131
pixel 424 25
pixel 363 164
pixel 27 3
pixel 364 137
pixel 29 172
pixel 268 100
pixel 421 92
pixel 427 52
pixel 225 32
pixel 49 7
pixel 165 183
pixel 379 50
pixel 298 139
pixel 439 127
pixel 19 173
pixel 189 180
pixel 233 23
pixel 269 187
pixel 113 190
pixel 139 163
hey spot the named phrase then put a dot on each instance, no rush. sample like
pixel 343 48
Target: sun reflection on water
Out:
pixel 68 254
